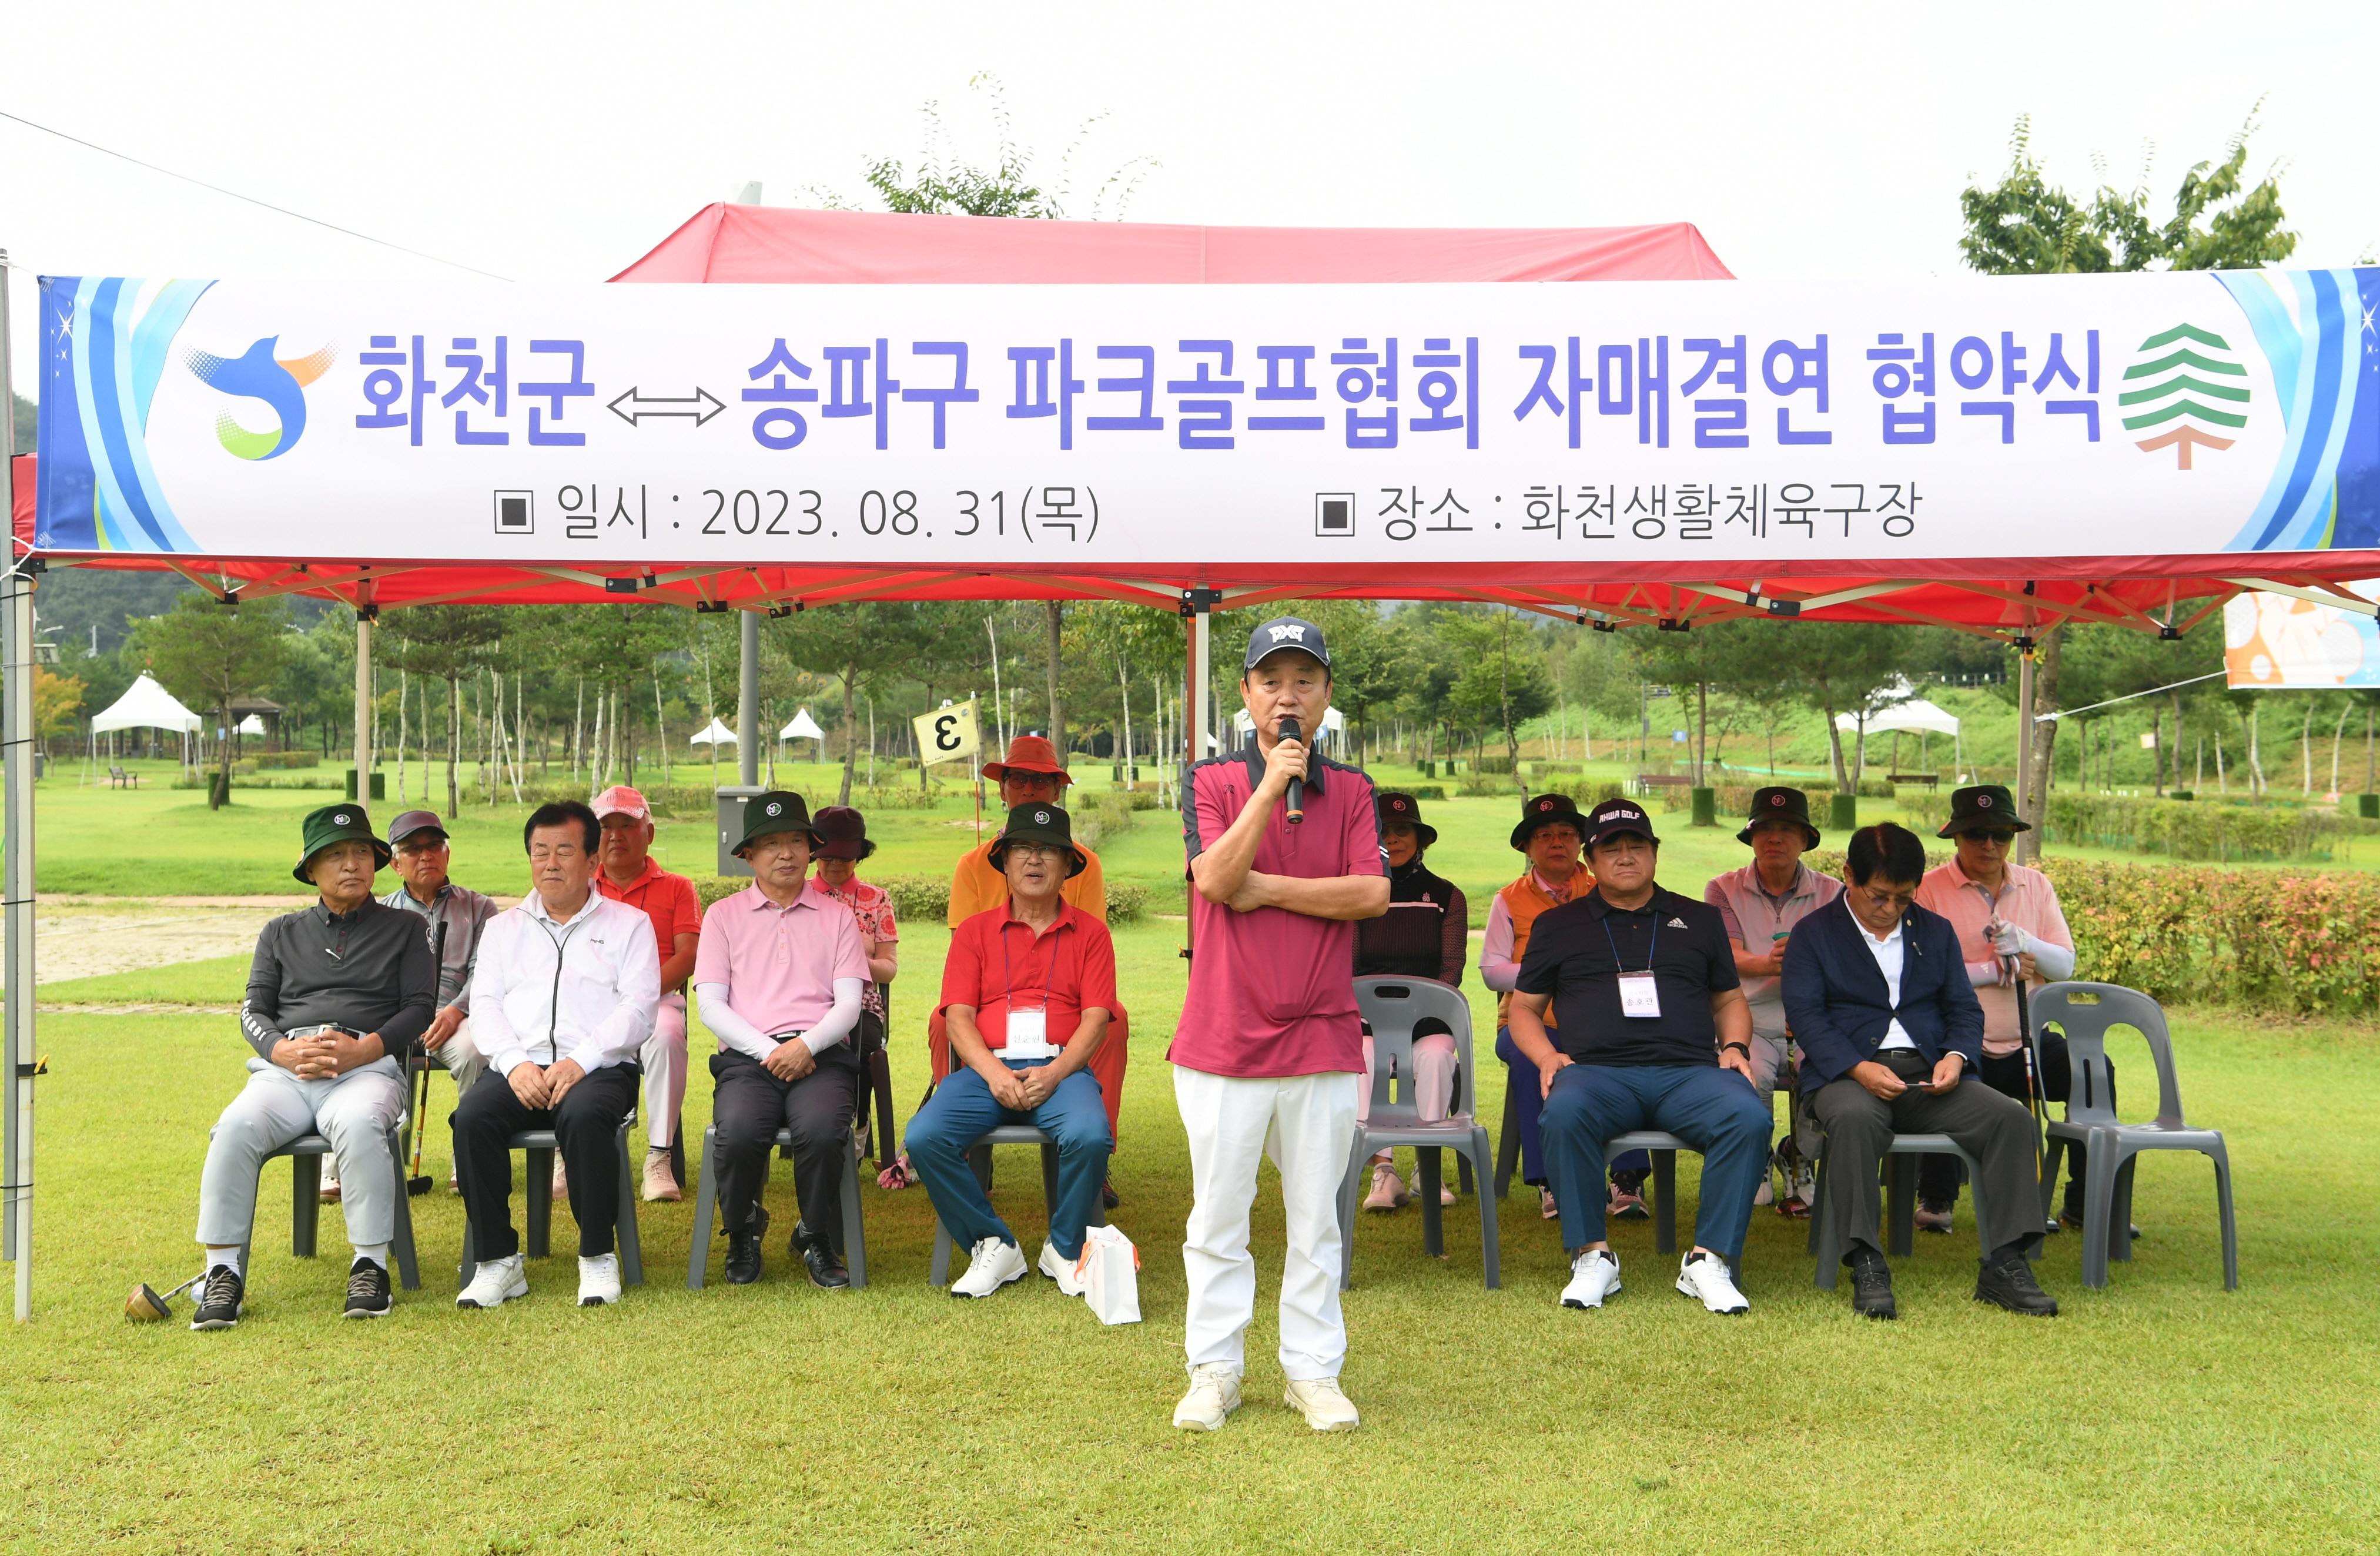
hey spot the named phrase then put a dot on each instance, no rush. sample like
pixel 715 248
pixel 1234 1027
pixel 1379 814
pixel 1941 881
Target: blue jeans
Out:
pixel 1528 1103
pixel 1714 1111
pixel 962 1108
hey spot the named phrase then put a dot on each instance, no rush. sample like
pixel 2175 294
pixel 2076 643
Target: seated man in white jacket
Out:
pixel 777 975
pixel 561 1001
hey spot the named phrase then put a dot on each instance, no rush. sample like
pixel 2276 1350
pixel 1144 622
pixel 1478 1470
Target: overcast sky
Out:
pixel 563 142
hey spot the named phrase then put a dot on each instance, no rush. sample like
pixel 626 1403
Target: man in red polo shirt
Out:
pixel 628 874
pixel 1270 1045
pixel 1028 990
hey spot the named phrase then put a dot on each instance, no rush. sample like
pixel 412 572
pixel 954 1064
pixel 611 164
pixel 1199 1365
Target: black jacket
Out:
pixel 369 971
pixel 1837 1004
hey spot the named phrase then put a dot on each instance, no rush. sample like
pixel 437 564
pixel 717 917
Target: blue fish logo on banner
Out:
pixel 258 374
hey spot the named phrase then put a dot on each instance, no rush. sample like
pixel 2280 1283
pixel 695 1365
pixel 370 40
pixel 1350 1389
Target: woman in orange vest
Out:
pixel 1549 834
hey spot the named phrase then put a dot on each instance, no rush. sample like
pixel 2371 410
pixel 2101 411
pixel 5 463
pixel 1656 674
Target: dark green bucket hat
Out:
pixel 338 823
pixel 777 810
pixel 1777 802
pixel 1038 823
pixel 1983 807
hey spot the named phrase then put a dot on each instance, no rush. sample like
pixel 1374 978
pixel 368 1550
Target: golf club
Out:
pixel 418 1183
pixel 145 1306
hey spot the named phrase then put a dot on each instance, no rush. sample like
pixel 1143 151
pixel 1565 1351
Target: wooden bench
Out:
pixel 1648 782
pixel 1931 780
pixel 118 778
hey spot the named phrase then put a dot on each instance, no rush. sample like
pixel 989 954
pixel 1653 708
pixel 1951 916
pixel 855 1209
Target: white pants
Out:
pixel 1431 1084
pixel 354 1111
pixel 664 1057
pixel 462 1057
pixel 1306 1123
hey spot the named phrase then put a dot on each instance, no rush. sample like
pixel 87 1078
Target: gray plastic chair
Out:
pixel 306 1154
pixel 2085 1011
pixel 1393 1006
pixel 1664 1148
pixel 538 1146
pixel 1827 1240
pixel 705 1209
pixel 979 1162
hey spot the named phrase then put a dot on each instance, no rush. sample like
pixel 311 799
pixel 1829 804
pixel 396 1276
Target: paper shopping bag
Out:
pixel 1109 1270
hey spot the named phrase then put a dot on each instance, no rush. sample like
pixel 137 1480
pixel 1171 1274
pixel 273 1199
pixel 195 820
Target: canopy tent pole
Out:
pixel 2025 847
pixel 364 752
pixel 17 1053
pixel 747 702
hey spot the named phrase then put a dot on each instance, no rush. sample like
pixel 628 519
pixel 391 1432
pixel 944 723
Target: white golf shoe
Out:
pixel 991 1264
pixel 1594 1275
pixel 599 1281
pixel 494 1282
pixel 1061 1269
pixel 1705 1277
pixel 1214 1395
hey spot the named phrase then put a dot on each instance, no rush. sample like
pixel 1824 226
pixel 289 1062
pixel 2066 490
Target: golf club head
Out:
pixel 418 1187
pixel 145 1306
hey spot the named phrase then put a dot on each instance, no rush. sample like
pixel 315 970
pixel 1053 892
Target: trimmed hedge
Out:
pixel 2276 942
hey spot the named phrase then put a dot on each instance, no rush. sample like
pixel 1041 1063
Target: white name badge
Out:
pixel 1028 1034
pixel 1638 996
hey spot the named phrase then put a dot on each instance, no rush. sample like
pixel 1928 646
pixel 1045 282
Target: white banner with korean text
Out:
pixel 1142 427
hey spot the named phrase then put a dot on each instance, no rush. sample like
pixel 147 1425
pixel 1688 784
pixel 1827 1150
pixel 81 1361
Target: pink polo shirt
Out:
pixel 2027 900
pixel 1272 992
pixel 779 963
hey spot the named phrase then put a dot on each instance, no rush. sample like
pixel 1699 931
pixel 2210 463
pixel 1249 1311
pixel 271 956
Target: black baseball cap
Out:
pixel 1614 816
pixel 1282 633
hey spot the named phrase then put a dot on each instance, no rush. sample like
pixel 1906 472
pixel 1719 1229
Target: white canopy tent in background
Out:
pixel 252 725
pixel 145 705
pixel 713 733
pixel 1893 709
pixel 803 727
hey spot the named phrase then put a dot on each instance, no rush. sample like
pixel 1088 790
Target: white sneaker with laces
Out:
pixel 1388 1190
pixel 1706 1276
pixel 494 1282
pixel 1214 1395
pixel 1594 1275
pixel 991 1264
pixel 1319 1401
pixel 661 1183
pixel 599 1281
pixel 1061 1269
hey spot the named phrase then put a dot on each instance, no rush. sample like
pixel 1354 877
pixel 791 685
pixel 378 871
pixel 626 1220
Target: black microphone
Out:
pixel 1289 731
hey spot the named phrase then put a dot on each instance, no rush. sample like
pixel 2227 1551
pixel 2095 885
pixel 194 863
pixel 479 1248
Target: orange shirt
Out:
pixel 976 887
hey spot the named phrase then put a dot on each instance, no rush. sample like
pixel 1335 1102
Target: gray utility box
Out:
pixel 731 830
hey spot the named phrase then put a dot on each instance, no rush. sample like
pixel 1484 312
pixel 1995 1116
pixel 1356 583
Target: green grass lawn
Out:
pixel 2160 1414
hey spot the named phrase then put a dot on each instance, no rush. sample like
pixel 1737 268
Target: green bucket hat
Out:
pixel 1777 802
pixel 777 810
pixel 338 823
pixel 1038 823
pixel 1983 807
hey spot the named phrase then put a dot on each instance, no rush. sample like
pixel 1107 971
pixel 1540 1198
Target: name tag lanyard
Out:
pixel 1639 995
pixel 1025 1039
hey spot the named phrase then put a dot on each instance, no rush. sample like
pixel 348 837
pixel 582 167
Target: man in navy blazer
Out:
pixel 1880 1003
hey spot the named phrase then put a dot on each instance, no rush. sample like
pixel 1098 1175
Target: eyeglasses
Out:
pixel 1999 837
pixel 1897 900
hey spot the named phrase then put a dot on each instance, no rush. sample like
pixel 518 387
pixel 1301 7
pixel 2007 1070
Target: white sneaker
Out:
pixel 599 1281
pixel 1319 1401
pixel 661 1183
pixel 991 1264
pixel 1214 1395
pixel 494 1282
pixel 1061 1269
pixel 1706 1276
pixel 1594 1275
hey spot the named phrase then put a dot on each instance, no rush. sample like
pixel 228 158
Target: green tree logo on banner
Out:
pixel 2185 393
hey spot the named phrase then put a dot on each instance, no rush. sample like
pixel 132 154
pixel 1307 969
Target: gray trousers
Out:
pixel 462 1058
pixel 1997 1131
pixel 1771 1057
pixel 354 1111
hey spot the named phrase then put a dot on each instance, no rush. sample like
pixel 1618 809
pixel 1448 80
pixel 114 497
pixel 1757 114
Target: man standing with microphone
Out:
pixel 1285 854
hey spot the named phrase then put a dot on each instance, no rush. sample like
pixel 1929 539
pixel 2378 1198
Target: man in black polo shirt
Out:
pixel 1654 1034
